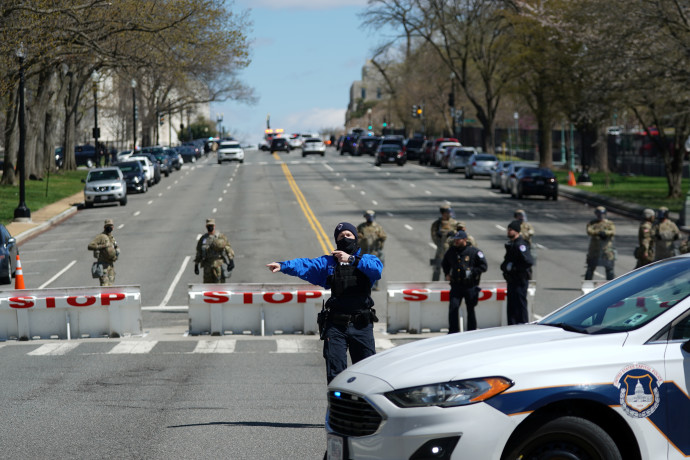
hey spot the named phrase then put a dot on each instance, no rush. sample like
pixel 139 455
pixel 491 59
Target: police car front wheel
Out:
pixel 566 438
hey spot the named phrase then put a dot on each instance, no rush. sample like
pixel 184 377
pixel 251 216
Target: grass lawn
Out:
pixel 647 191
pixel 40 193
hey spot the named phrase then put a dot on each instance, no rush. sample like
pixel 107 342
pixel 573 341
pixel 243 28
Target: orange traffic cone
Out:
pixel 19 275
pixel 571 179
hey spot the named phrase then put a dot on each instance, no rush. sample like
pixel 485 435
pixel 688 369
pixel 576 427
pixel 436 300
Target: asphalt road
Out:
pixel 167 399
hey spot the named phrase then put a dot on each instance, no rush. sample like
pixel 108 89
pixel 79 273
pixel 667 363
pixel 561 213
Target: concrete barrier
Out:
pixel 423 306
pixel 590 285
pixel 254 308
pixel 70 312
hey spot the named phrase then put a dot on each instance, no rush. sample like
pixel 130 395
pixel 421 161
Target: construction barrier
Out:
pixel 590 285
pixel 423 306
pixel 113 311
pixel 254 308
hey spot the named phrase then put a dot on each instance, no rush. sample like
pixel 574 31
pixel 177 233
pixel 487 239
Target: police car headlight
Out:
pixel 450 394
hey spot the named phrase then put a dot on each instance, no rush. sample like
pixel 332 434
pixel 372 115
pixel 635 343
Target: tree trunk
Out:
pixel 11 140
pixel 544 125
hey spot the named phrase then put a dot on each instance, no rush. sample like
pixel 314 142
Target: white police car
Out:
pixel 605 377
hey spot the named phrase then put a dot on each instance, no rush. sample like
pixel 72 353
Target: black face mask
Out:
pixel 347 245
pixel 108 229
pixel 210 228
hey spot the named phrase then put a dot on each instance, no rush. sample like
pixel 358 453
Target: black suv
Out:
pixel 368 145
pixel 414 147
pixel 349 145
pixel 279 144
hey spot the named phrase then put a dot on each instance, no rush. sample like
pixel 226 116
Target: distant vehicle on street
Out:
pixel 497 172
pixel 280 144
pixel 313 145
pixel 480 164
pixel 387 153
pixel 367 145
pixel 134 175
pixel 413 148
pixel 457 157
pixel 230 151
pixel 188 152
pixel 8 256
pixel 508 178
pixel 535 181
pixel 105 185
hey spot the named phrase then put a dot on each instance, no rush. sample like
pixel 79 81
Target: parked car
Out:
pixel 198 149
pixel 295 141
pixel 59 157
pixel 430 148
pixel 154 161
pixel 279 144
pixel 413 148
pixel 188 153
pixel 134 175
pixel 85 155
pixel 458 157
pixel 535 181
pixel 367 145
pixel 497 172
pixel 390 153
pixel 507 178
pixel 8 256
pixel 480 164
pixel 441 151
pixel 105 185
pixel 158 155
pixel 122 155
pixel 604 377
pixel 149 168
pixel 313 145
pixel 230 151
pixel 175 158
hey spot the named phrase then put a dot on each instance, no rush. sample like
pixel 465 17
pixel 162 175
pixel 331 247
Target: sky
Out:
pixel 305 54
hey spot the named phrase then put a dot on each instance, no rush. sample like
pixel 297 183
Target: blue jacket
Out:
pixel 317 270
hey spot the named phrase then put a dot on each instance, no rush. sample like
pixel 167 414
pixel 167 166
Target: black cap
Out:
pixel 515 225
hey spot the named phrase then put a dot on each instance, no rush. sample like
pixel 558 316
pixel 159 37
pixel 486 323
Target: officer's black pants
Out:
pixel 338 338
pixel 471 296
pixel 517 302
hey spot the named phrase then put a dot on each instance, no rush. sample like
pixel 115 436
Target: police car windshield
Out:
pixel 628 302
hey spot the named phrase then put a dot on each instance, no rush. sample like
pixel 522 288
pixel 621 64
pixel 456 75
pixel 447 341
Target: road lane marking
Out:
pixel 321 235
pixel 327 166
pixel 215 346
pixel 294 346
pixel 174 282
pixel 433 245
pixel 150 201
pixel 374 202
pixel 501 228
pixel 220 199
pixel 120 226
pixel 160 194
pixel 214 210
pixel 57 275
pixel 541 246
pixel 409 227
pixel 384 344
pixel 54 349
pixel 136 213
pixel 133 347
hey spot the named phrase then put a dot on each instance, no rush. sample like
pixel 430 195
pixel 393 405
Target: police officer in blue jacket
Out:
pixel 349 275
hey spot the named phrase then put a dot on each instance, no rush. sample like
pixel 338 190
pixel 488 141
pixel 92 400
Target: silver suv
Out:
pixel 105 185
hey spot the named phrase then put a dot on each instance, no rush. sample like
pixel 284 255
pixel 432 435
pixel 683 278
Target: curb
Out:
pixel 42 227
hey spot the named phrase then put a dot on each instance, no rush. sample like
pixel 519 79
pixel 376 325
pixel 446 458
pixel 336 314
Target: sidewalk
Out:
pixel 46 217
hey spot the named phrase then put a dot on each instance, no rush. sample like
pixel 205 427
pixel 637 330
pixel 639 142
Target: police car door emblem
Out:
pixel 638 386
pixel 351 379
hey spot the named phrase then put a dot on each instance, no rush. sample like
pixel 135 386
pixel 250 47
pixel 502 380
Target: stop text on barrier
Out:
pixel 261 297
pixel 103 299
pixel 422 295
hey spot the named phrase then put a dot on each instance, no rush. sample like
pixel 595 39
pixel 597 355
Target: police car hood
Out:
pixel 503 351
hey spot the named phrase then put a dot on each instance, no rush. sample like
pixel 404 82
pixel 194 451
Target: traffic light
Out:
pixel 385 123
pixel 369 127
pixel 419 111
pixel 451 99
pixel 414 111
pixel 161 120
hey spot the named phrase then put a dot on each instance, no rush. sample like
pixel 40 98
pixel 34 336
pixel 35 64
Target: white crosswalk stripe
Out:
pixel 384 344
pixel 54 349
pixel 133 347
pixel 215 346
pixel 296 346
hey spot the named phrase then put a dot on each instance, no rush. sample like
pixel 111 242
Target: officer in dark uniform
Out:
pixel 463 265
pixel 349 315
pixel 517 271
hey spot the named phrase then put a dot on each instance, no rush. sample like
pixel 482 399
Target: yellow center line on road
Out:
pixel 321 235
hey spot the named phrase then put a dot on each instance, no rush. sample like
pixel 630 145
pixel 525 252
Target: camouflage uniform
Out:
pixel 601 248
pixel 106 251
pixel 213 251
pixel 439 235
pixel 665 233
pixel 371 237
pixel 644 253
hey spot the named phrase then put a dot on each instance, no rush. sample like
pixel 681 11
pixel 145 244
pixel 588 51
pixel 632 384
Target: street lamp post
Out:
pixel 516 116
pixel 451 103
pixel 21 213
pixel 219 121
pixel 96 129
pixel 134 114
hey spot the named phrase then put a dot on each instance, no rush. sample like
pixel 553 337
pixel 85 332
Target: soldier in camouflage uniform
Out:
pixel 601 249
pixel 526 229
pixel 371 237
pixel 106 251
pixel 441 229
pixel 644 253
pixel 213 251
pixel 664 234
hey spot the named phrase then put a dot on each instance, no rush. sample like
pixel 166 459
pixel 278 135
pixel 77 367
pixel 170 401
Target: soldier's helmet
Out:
pixel 445 207
pixel 648 213
pixel 108 222
pixel 663 212
pixel 600 210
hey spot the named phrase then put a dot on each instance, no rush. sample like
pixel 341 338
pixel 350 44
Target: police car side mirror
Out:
pixel 686 346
